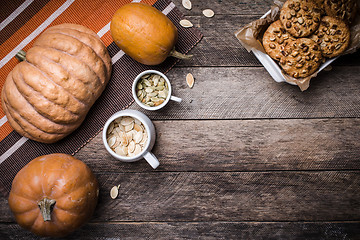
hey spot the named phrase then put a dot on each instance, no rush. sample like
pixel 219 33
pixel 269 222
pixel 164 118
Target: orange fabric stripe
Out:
pixel 29 27
pixel 5 130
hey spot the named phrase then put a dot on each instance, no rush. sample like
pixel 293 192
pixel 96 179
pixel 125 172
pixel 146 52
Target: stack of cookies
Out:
pixel 308 32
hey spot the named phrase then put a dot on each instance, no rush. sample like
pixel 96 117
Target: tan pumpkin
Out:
pixel 47 96
pixel 144 33
pixel 53 195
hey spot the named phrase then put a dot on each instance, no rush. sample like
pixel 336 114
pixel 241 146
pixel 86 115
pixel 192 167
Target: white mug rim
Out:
pixel 130 113
pixel 137 99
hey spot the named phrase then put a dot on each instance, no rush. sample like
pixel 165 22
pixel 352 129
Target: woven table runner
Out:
pixel 22 21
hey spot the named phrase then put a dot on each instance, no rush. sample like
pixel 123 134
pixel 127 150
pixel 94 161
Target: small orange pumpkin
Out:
pixel 144 33
pixel 53 195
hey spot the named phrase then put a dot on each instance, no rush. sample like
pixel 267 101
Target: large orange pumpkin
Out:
pixel 144 33
pixel 48 95
pixel 53 195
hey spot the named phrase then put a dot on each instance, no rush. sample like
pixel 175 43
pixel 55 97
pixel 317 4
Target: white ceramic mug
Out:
pixel 150 130
pixel 168 97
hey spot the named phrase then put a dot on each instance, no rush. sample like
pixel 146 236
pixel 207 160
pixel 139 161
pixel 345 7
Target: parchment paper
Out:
pixel 250 36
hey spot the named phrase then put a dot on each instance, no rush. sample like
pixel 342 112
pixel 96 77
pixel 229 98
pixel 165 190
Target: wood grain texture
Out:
pixel 244 7
pixel 203 230
pixel 248 93
pixel 239 145
pixel 242 157
pixel 226 196
pixel 219 40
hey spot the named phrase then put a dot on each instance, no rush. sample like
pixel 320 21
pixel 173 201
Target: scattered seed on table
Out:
pixel 190 80
pixel 186 23
pixel 208 13
pixel 114 192
pixel 186 4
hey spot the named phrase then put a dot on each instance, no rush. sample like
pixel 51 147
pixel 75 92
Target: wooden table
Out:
pixel 242 157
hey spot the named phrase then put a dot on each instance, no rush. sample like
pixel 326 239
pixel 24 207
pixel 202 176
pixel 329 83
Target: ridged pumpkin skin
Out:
pixel 58 177
pixel 47 97
pixel 143 32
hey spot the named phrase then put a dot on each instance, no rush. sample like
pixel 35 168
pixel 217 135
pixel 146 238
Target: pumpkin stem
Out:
pixel 46 206
pixel 21 55
pixel 179 55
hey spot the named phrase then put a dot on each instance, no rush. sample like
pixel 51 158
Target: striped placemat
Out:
pixel 22 21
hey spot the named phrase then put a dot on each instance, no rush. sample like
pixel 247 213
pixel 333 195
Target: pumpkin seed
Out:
pixel 129 136
pixel 149 90
pixel 114 192
pixel 131 147
pixel 159 88
pixel 126 121
pixel 123 139
pixel 137 149
pixel 162 82
pixel 139 92
pixel 141 97
pixel 137 122
pixel 186 23
pixel 119 128
pixel 138 137
pixel 111 141
pixel 121 150
pixel 156 79
pixel 154 99
pixel 111 127
pixel 162 94
pixel 208 13
pixel 150 104
pixel 129 127
pixel 144 139
pixel 159 102
pixel 137 127
pixel 147 82
pixel 186 4
pixel 190 80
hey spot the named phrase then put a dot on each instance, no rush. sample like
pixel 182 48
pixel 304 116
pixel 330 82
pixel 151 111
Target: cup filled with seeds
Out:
pixel 129 136
pixel 152 90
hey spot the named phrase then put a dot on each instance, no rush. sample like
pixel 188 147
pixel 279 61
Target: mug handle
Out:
pixel 151 159
pixel 176 99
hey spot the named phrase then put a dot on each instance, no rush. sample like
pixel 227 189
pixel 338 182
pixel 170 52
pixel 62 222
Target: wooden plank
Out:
pixel 220 47
pixel 203 230
pixel 227 196
pixel 248 93
pixel 228 7
pixel 239 145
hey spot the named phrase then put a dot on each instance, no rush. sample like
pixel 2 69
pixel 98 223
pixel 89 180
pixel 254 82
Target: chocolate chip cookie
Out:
pixel 343 9
pixel 275 39
pixel 301 58
pixel 300 17
pixel 333 36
